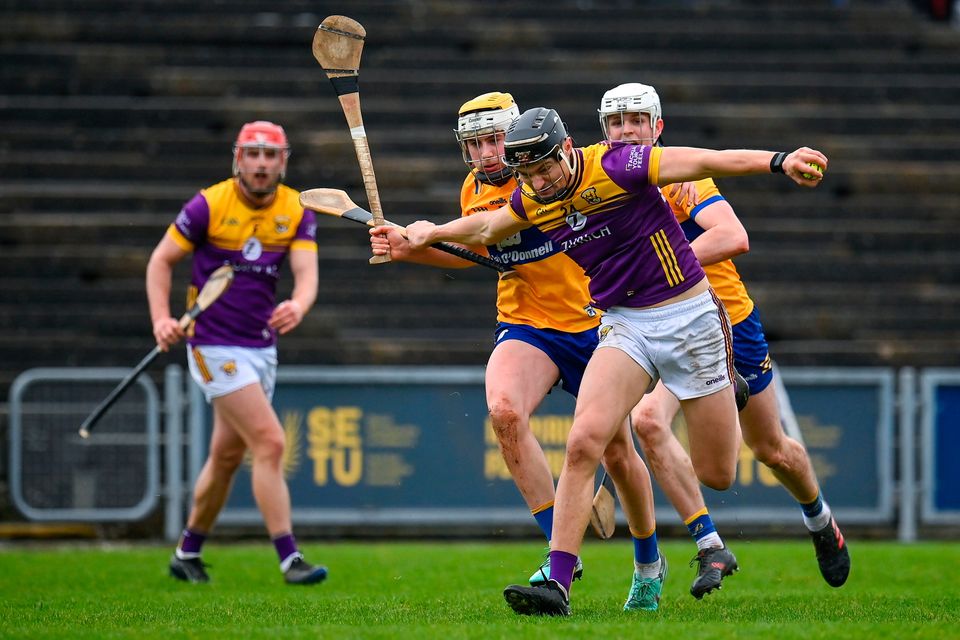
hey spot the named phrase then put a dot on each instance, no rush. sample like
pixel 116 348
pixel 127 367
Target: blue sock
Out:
pixel 544 517
pixel 700 524
pixel 645 549
pixel 812 509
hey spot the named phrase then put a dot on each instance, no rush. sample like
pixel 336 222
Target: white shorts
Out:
pixel 221 370
pixel 687 344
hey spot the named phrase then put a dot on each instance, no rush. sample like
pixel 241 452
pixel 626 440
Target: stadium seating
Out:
pixel 115 113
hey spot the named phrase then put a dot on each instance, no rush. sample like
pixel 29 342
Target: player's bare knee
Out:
pixel 270 448
pixel 616 457
pixel 505 421
pixel 717 478
pixel 769 454
pixel 226 462
pixel 584 450
pixel 649 428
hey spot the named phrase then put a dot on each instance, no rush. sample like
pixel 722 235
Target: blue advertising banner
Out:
pixel 941 445
pixel 415 444
pixel 845 420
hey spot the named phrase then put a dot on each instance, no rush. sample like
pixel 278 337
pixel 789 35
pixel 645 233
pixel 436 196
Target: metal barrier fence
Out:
pixel 404 445
pixel 55 474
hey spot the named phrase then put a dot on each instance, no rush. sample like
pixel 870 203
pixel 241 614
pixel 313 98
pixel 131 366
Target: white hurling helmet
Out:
pixel 632 97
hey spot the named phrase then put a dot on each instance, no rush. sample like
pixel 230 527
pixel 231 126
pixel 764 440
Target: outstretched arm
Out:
pixel 679 164
pixel 393 243
pixel 484 228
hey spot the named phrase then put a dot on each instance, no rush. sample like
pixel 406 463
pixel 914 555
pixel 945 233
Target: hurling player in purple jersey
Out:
pixel 253 222
pixel 661 320
pixel 545 334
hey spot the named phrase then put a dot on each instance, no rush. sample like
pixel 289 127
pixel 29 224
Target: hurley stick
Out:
pixel 337 46
pixel 334 202
pixel 217 283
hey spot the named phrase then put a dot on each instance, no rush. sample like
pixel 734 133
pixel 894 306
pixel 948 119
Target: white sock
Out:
pixel 710 541
pixel 820 520
pixel 647 570
pixel 183 555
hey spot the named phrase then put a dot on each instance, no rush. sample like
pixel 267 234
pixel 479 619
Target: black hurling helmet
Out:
pixel 536 135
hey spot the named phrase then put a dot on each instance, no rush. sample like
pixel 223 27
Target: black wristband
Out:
pixel 776 162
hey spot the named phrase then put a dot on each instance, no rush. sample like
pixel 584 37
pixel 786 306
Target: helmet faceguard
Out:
pixel 486 115
pixel 537 135
pixel 261 135
pixel 632 97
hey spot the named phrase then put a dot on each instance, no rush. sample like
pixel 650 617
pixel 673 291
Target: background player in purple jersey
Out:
pixel 252 222
pixel 603 206
pixel 632 113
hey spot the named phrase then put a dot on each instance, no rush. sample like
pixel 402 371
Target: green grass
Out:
pixel 453 590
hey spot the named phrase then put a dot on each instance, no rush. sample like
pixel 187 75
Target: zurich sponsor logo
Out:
pixel 587 237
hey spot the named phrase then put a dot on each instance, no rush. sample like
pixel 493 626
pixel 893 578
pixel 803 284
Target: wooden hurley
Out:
pixel 337 46
pixel 334 202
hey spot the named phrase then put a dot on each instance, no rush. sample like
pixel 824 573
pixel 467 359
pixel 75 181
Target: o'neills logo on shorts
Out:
pixel 720 378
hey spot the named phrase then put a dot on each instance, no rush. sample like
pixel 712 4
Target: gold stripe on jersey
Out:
pixel 723 275
pixel 303 245
pixel 191 298
pixel 179 238
pixel 201 365
pixel 552 293
pixel 668 259
pixel 653 168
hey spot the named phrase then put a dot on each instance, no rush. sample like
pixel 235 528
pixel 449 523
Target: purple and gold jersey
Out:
pixel 550 291
pixel 616 225
pixel 723 275
pixel 221 228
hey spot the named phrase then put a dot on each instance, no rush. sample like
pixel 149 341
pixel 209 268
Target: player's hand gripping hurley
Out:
pixel 217 283
pixel 337 46
pixel 334 202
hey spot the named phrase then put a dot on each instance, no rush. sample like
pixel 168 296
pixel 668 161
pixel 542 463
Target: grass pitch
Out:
pixel 453 590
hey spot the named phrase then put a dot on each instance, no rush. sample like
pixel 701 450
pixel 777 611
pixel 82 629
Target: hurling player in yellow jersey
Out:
pixel 546 330
pixel 252 222
pixel 632 113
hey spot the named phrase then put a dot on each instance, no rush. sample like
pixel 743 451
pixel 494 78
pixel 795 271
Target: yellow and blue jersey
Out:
pixel 220 227
pixel 550 290
pixel 723 275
